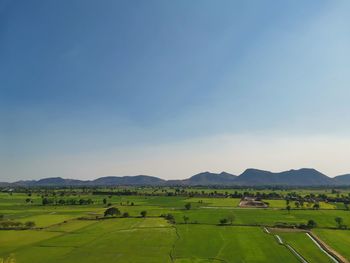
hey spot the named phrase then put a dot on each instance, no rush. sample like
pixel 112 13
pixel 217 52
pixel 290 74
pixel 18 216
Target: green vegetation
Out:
pixel 337 239
pixel 163 224
pixel 230 244
pixel 305 247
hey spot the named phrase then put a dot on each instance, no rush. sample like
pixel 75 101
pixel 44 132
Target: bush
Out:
pixel 143 213
pixel 29 224
pixel 112 211
pixel 188 206
pixel 169 217
pixel 223 221
pixel 311 223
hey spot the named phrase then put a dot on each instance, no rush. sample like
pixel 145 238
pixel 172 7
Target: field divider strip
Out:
pixel 335 258
pixel 290 248
pixel 296 253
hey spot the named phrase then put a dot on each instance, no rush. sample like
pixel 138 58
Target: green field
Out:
pixel 69 233
pixel 200 243
pixel 337 239
pixel 305 247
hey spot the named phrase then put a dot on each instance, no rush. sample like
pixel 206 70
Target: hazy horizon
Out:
pixel 170 89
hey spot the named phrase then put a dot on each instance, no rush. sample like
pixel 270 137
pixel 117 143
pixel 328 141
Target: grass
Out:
pixel 282 204
pixel 65 239
pixel 198 243
pixel 337 239
pixel 305 247
pixel 215 202
pixel 114 240
pixel 269 217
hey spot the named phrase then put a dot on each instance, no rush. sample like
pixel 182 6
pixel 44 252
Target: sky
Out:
pixel 173 88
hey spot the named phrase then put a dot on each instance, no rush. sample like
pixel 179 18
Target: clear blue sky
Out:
pixel 170 88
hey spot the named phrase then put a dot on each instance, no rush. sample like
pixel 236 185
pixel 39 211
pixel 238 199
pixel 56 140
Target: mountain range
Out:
pixel 250 177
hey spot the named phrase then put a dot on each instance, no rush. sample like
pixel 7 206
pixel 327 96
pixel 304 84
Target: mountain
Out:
pixel 51 181
pixel 102 181
pixel 342 179
pixel 128 180
pixel 301 177
pixel 4 184
pixel 208 178
pixel 250 177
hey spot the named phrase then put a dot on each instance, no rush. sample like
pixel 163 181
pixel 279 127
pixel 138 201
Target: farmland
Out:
pixel 168 225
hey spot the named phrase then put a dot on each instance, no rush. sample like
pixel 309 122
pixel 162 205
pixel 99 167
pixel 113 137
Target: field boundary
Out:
pixel 327 248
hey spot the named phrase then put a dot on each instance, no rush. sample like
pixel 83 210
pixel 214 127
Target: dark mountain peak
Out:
pixel 208 178
pixel 342 179
pixel 308 170
pixel 202 173
pixel 253 171
pixel 51 179
pixel 343 175
pixel 304 171
pixel 224 173
pixel 128 180
pixel 300 177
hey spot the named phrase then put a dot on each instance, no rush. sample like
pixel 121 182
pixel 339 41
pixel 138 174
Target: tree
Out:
pixel 316 206
pixel 143 213
pixel 188 206
pixel 223 221
pixel 112 211
pixel 231 218
pixel 186 218
pixel 339 221
pixel 288 208
pixel 28 200
pixel 311 223
pixel 29 224
pixel 125 214
pixel 170 218
pixel 104 201
pixel 297 204
pixel 45 201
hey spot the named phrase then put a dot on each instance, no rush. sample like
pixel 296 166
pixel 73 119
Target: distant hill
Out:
pixel 208 178
pixel 128 180
pixel 51 181
pixel 301 177
pixel 343 179
pixel 250 177
pixel 102 181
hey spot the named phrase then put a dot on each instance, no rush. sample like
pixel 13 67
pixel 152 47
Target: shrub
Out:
pixel 223 221
pixel 188 206
pixel 112 211
pixel 29 224
pixel 143 213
